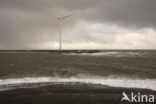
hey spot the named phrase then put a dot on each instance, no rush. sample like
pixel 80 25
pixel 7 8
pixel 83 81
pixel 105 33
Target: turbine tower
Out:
pixel 60 20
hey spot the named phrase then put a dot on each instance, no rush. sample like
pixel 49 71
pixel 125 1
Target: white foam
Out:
pixel 116 82
pixel 114 53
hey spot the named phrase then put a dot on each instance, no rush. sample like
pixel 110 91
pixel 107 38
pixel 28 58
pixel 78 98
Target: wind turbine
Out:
pixel 60 20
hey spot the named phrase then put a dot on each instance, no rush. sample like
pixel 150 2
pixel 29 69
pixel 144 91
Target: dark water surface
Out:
pixel 129 64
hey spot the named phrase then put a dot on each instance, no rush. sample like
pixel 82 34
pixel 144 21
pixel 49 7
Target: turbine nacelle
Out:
pixel 59 18
pixel 62 18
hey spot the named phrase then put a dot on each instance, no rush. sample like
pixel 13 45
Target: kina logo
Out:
pixel 137 97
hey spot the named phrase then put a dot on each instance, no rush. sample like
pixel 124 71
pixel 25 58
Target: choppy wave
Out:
pixel 7 84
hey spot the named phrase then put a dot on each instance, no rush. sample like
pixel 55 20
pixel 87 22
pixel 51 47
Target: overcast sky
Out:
pixel 95 24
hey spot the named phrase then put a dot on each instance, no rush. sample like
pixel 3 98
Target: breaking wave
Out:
pixel 7 84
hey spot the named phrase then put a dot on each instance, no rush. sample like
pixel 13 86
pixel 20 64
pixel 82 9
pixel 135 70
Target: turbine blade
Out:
pixel 66 16
pixel 57 16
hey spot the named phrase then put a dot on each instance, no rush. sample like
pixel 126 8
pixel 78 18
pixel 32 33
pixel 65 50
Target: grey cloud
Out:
pixel 129 12
pixel 29 22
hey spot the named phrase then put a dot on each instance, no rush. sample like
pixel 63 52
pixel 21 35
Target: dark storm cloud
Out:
pixel 29 22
